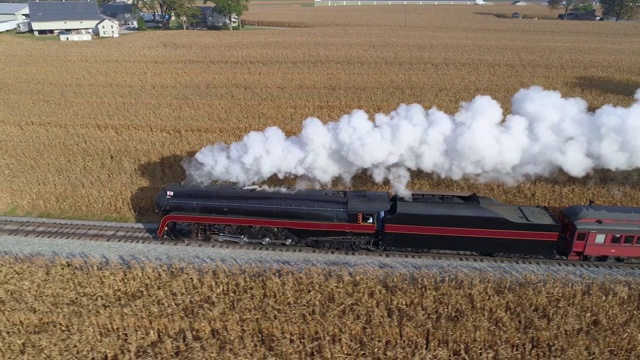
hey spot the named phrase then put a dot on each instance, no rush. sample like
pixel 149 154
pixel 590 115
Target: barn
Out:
pixel 11 15
pixel 51 17
pixel 14 12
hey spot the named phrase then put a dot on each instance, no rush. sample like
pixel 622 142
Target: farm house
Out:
pixel 108 28
pixel 124 14
pixel 210 18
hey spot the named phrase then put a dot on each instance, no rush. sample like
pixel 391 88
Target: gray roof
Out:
pixel 63 10
pixel 604 218
pixel 11 8
pixel 113 10
pixel 592 213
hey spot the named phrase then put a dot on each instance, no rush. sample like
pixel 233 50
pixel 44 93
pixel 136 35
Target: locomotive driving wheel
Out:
pixel 230 230
pixel 250 232
pixel 267 234
pixel 287 237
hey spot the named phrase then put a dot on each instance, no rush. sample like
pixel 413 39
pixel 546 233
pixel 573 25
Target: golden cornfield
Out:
pixel 71 309
pixel 93 129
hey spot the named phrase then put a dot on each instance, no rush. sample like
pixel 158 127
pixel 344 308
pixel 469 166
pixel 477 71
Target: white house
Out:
pixel 213 19
pixel 125 14
pixel 51 17
pixel 107 28
pixel 14 12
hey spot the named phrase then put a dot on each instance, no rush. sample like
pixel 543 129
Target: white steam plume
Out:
pixel 545 133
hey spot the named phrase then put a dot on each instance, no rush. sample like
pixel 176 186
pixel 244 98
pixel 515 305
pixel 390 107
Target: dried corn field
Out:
pixel 92 129
pixel 69 309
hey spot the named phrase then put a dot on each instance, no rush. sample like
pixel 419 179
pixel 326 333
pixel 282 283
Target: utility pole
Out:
pixel 405 14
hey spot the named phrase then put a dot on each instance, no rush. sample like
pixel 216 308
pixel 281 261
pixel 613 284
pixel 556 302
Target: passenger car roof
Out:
pixel 577 213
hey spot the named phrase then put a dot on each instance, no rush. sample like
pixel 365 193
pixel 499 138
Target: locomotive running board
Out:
pixel 245 240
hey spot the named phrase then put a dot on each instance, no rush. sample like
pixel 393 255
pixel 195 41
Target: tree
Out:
pixel 142 26
pixel 149 5
pixel 167 8
pixel 230 7
pixel 620 9
pixel 562 4
pixel 187 15
pixel 163 7
pixel 583 7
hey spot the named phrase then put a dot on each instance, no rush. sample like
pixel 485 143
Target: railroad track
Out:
pixel 145 234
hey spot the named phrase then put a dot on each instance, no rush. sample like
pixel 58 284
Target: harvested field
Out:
pixel 68 309
pixel 93 129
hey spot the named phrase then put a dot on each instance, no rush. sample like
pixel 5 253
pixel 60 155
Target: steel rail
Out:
pixel 141 234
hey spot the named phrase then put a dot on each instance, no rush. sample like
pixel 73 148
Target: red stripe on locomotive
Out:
pixel 305 225
pixel 471 232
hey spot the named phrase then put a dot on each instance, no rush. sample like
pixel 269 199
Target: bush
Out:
pixel 142 26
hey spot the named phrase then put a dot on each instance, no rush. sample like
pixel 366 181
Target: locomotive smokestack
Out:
pixel 544 134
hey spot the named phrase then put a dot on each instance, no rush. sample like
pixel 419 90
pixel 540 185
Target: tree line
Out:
pixel 617 9
pixel 186 12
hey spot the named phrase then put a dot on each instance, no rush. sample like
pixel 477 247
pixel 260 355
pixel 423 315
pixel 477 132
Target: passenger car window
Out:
pixel 600 238
pixel 628 239
pixel 581 236
pixel 616 239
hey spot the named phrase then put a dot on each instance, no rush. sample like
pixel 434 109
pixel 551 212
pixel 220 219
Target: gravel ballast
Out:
pixel 127 253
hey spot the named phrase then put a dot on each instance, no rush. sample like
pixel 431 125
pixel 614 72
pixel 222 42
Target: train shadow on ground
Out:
pixel 158 174
pixel 608 85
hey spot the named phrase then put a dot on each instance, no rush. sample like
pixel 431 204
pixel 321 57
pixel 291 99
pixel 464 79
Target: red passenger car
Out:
pixel 597 232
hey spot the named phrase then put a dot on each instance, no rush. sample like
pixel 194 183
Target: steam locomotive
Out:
pixel 378 221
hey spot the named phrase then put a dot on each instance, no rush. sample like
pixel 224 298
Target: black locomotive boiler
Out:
pixel 311 217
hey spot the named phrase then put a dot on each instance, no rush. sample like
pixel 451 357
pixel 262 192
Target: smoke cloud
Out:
pixel 544 134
